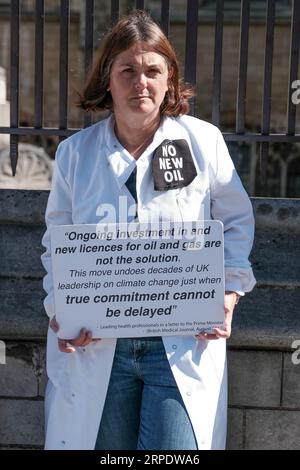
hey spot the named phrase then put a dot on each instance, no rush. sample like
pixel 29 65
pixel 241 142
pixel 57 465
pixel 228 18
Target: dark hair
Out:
pixel 134 27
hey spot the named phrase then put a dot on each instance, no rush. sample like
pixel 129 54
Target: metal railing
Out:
pixel 264 138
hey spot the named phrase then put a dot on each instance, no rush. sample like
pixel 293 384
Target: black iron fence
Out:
pixel 263 138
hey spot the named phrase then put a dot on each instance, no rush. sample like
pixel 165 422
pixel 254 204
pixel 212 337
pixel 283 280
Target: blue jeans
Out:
pixel 143 408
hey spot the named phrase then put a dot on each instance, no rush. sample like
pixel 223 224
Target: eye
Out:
pixel 153 71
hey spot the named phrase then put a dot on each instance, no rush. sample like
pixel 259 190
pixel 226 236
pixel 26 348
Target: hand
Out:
pixel 67 345
pixel 230 301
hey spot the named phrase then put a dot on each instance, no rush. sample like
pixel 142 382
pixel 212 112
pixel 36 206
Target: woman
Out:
pixel 143 393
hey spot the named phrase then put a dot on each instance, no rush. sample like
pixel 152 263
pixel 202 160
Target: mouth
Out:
pixel 142 97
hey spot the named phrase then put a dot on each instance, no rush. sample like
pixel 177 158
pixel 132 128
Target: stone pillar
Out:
pixel 4 109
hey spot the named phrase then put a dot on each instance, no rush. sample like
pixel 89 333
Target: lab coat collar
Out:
pixel 120 160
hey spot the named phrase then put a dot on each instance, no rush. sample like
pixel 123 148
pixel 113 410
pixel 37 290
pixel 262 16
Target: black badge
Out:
pixel 173 166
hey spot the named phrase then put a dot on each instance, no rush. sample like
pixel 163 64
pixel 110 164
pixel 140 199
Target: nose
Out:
pixel 140 81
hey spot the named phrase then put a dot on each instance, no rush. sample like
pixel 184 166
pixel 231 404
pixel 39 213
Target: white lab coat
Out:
pixel 90 171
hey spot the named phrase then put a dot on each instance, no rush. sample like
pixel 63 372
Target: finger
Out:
pixel 211 337
pixel 80 339
pixel 222 333
pixel 207 336
pixel 65 346
pixel 54 325
pixel 88 339
pixel 201 335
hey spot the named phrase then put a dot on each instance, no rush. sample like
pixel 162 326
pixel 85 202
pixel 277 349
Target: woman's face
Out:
pixel 138 83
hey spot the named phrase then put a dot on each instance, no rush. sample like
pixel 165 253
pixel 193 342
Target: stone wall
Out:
pixel 264 384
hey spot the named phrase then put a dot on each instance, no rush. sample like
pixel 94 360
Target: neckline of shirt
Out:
pixel 121 161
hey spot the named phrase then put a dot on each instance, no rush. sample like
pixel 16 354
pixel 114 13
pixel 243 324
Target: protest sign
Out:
pixel 131 280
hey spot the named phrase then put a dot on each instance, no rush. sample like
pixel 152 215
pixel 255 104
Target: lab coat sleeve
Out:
pixel 231 204
pixel 58 212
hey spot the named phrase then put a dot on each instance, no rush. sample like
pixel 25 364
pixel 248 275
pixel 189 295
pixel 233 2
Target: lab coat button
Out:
pixel 174 346
pixel 189 394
